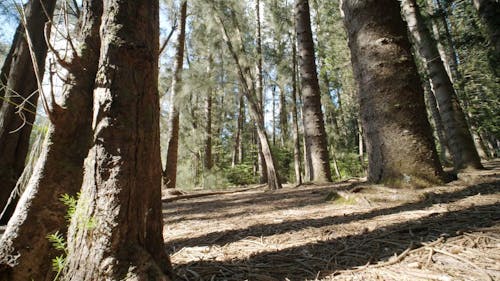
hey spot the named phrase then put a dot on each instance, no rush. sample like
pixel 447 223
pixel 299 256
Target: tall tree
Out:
pixel 314 127
pixel 398 136
pixel 259 87
pixel 25 249
pixel 170 172
pixel 22 82
pixel 457 132
pixel 116 231
pixel 295 117
pixel 489 11
pixel 208 117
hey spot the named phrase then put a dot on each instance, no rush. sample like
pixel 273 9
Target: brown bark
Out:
pixel 458 136
pixel 314 127
pixel 4 72
pixel 208 117
pixel 238 144
pixel 397 133
pixel 59 169
pixel 116 231
pixel 170 172
pixel 16 115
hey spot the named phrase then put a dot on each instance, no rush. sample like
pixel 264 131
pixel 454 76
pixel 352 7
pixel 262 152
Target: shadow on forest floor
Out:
pixel 295 234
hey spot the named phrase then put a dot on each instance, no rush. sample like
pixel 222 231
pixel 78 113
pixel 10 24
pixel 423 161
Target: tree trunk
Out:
pixel 237 149
pixel 17 115
pixel 295 117
pixel 116 231
pixel 170 172
pixel 59 170
pixel 4 72
pixel 260 93
pixel 208 117
pixel 249 91
pixel 314 127
pixel 397 133
pixel 489 12
pixel 458 136
pixel 283 117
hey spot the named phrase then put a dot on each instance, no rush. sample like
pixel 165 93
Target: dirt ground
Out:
pixel 344 231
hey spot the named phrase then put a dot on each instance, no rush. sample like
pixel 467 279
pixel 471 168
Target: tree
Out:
pixel 457 132
pixel 489 11
pixel 25 249
pixel 398 136
pixel 116 230
pixel 314 127
pixel 170 172
pixel 259 84
pixel 22 83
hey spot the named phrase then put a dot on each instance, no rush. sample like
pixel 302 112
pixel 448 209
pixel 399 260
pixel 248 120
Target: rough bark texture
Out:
pixel 4 72
pixel 489 11
pixel 116 231
pixel 208 117
pixel 25 251
pixel 15 128
pixel 397 133
pixel 314 127
pixel 458 136
pixel 170 172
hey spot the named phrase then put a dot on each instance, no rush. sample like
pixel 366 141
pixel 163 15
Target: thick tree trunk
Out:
pixel 397 133
pixel 15 128
pixel 314 127
pixel 295 117
pixel 4 72
pixel 489 11
pixel 25 251
pixel 116 231
pixel 170 172
pixel 458 136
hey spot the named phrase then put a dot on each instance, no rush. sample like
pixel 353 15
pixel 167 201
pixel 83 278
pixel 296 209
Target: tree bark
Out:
pixel 170 172
pixel 314 127
pixel 458 136
pixel 116 231
pixel 59 170
pixel 208 117
pixel 295 117
pixel 4 72
pixel 397 133
pixel 238 146
pixel 17 115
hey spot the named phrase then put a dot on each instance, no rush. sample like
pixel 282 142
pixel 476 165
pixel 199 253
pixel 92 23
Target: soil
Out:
pixel 344 231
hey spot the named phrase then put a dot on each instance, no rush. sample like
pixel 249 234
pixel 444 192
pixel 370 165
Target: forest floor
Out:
pixel 343 231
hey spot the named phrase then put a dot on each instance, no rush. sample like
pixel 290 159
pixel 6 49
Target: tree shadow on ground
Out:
pixel 349 251
pixel 223 237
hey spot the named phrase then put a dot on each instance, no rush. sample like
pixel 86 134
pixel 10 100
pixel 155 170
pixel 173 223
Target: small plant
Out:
pixel 59 243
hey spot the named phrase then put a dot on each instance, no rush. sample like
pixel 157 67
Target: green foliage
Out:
pixel 59 243
pixel 241 174
pixel 350 165
pixel 70 202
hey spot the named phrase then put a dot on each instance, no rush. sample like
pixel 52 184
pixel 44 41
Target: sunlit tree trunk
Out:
pixel 314 127
pixel 170 172
pixel 59 170
pixel 116 231
pixel 260 93
pixel 397 133
pixel 18 114
pixel 295 117
pixel 457 132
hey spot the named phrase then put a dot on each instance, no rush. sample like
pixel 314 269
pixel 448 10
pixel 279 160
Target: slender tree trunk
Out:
pixel 237 153
pixel 17 115
pixel 314 127
pixel 25 251
pixel 4 72
pixel 458 136
pixel 283 117
pixel 116 231
pixel 170 172
pixel 295 117
pixel 260 93
pixel 397 133
pixel 273 114
pixel 208 117
pixel 256 112
pixel 489 12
